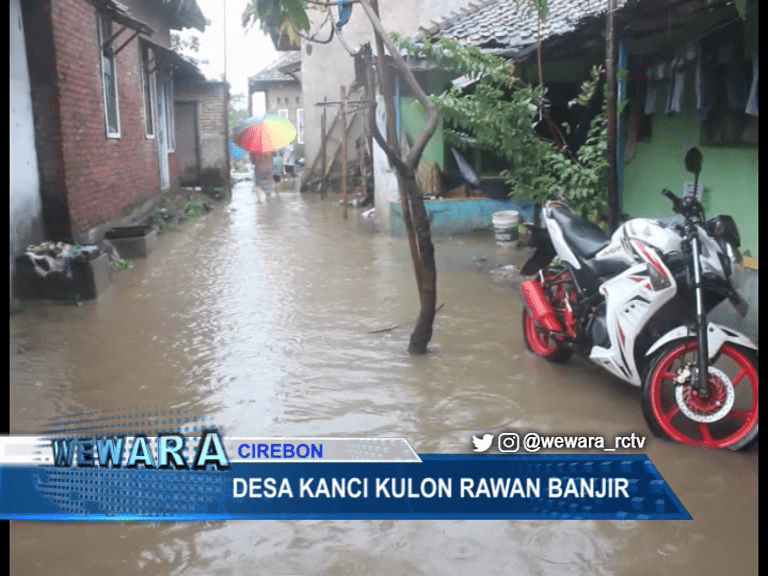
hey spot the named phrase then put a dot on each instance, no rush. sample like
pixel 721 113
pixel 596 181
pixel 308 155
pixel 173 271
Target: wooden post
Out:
pixel 361 161
pixel 344 149
pixel 323 141
pixel 610 73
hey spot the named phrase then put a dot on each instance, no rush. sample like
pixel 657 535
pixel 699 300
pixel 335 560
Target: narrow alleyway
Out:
pixel 262 314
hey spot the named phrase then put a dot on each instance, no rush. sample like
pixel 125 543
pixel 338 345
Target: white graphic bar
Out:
pixel 38 450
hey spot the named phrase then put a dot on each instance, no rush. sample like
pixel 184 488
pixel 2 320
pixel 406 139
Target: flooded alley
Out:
pixel 269 314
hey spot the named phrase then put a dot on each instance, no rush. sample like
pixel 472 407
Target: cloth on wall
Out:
pixel 655 74
pixel 651 95
pixel 678 68
pixel 752 100
pixel 676 92
pixel 738 83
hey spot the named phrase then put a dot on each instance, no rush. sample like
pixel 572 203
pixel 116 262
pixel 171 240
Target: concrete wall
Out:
pixel 290 97
pixel 26 218
pixel 459 216
pixel 730 174
pixel 385 187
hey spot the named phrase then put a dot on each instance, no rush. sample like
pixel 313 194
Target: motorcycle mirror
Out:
pixel 693 160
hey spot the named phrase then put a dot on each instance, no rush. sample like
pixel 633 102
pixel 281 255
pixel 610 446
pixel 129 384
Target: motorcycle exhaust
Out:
pixel 540 308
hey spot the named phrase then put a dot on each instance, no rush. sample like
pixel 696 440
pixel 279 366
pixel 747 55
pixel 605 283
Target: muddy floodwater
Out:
pixel 261 314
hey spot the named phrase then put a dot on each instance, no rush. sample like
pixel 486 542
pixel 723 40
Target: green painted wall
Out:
pixel 414 118
pixel 730 174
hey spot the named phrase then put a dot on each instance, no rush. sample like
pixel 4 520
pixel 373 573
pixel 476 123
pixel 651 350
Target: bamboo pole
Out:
pixel 323 144
pixel 327 132
pixel 338 146
pixel 610 73
pixel 344 148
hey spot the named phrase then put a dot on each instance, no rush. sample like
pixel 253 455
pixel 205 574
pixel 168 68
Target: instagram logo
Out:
pixel 509 442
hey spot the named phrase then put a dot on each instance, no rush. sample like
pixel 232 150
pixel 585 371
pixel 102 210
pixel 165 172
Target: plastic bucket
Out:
pixel 505 226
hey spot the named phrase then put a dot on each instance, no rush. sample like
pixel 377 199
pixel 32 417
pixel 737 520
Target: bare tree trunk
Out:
pixel 414 211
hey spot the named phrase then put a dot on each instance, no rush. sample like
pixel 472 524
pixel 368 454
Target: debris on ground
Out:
pixel 508 273
pixel 50 257
pixel 189 203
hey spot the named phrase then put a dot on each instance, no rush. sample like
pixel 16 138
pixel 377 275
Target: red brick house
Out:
pixel 101 85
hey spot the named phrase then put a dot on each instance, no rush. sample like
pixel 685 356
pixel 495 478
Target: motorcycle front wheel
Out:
pixel 673 408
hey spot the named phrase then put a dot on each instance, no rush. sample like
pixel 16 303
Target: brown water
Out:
pixel 259 313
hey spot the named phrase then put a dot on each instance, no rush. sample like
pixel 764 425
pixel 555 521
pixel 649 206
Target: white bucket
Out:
pixel 505 225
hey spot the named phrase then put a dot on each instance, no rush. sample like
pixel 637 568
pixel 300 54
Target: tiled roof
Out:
pixel 500 24
pixel 275 72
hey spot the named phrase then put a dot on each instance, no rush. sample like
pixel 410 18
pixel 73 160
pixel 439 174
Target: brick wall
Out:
pixel 212 121
pixel 93 178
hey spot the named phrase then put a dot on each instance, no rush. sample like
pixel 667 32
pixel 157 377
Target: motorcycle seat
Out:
pixel 585 237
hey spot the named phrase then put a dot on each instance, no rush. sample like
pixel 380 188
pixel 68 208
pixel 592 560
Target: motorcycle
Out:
pixel 636 304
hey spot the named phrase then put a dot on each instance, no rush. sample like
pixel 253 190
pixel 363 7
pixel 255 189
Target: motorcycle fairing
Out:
pixel 717 335
pixel 632 299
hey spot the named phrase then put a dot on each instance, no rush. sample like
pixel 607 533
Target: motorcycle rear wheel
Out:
pixel 683 416
pixel 539 341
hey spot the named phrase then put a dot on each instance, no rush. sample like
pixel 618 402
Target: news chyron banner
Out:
pixel 165 465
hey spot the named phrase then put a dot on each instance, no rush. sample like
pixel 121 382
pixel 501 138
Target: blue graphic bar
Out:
pixel 441 486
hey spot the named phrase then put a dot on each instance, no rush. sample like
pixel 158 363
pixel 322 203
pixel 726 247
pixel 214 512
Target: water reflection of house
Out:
pixel 92 114
pixel 281 85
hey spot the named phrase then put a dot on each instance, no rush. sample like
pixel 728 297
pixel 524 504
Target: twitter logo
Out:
pixel 482 444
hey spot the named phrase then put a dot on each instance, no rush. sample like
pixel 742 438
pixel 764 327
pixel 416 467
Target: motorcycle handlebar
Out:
pixel 676 202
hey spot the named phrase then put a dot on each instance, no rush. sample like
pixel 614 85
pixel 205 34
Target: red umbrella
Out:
pixel 264 133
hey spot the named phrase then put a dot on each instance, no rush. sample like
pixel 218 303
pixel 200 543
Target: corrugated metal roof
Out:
pixel 500 24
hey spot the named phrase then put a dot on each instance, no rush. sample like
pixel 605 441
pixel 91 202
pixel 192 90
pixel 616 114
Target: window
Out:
pixel 147 61
pixel 283 112
pixel 109 77
pixel 300 125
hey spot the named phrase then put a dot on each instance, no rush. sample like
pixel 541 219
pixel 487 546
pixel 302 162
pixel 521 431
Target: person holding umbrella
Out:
pixel 263 134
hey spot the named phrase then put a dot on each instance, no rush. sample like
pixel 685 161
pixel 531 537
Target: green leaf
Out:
pixel 297 10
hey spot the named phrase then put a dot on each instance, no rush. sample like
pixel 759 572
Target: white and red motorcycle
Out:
pixel 636 304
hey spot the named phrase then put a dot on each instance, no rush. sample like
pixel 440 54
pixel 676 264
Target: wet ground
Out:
pixel 260 313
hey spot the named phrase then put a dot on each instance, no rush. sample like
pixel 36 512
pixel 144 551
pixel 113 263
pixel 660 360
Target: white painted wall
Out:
pixel 25 204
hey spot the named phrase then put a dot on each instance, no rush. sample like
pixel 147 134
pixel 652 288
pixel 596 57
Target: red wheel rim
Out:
pixel 538 337
pixel 674 422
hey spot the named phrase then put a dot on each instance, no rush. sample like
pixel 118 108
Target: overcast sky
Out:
pixel 248 52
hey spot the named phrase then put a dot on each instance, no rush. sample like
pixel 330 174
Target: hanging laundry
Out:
pixel 345 13
pixel 751 108
pixel 705 84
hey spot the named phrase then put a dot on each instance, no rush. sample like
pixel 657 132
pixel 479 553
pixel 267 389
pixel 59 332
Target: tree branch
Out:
pixel 429 129
pixel 394 158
